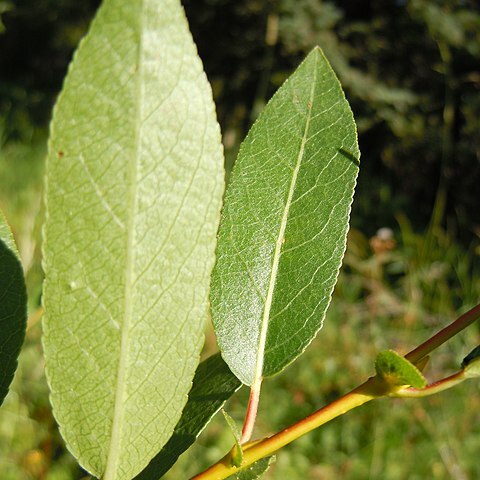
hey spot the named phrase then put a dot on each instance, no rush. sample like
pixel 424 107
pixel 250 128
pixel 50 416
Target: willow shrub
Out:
pixel 137 249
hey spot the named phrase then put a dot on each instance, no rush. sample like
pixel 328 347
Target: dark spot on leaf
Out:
pixel 350 156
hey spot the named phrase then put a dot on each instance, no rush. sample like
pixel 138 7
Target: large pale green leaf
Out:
pixel 213 385
pixel 134 187
pixel 13 307
pixel 284 224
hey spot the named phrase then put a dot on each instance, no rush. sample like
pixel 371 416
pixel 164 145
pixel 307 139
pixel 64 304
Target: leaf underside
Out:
pixel 134 187
pixel 283 228
pixel 13 307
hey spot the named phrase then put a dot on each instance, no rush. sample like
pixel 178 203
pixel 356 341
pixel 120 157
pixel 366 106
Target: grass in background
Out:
pixel 21 187
pixel 394 291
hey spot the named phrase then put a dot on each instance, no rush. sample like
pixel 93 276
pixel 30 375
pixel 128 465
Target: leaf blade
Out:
pixel 286 206
pixel 13 307
pixel 134 185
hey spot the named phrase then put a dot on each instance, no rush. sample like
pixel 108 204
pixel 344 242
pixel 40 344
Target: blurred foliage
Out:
pixel 411 72
pixel 36 45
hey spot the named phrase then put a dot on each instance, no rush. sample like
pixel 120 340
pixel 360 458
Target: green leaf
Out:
pixel 213 385
pixel 283 228
pixel 471 363
pixel 13 307
pixel 237 455
pixel 254 471
pixel 134 188
pixel 398 371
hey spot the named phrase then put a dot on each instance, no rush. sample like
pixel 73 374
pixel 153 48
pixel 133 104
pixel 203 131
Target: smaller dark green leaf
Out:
pixel 213 385
pixel 13 308
pixel 254 471
pixel 471 363
pixel 398 371
pixel 283 230
pixel 237 456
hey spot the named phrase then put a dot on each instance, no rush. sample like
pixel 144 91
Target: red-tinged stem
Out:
pixel 252 410
pixel 443 335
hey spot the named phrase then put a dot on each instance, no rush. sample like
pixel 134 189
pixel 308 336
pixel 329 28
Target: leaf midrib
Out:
pixel 123 364
pixel 258 372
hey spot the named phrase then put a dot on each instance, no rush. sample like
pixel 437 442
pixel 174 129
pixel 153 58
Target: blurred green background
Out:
pixel 411 71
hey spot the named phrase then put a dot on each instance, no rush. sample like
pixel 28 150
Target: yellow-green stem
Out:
pixel 372 388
